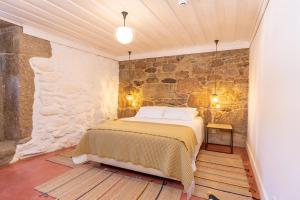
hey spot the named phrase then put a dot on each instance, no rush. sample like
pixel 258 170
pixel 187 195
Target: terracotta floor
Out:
pixel 18 180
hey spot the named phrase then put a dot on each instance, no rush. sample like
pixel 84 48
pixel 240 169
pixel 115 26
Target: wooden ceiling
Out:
pixel 158 24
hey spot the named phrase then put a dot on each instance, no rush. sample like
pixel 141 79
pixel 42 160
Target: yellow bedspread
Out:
pixel 165 147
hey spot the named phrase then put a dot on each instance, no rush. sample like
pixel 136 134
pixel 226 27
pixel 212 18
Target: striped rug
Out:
pixel 88 183
pixel 222 175
pixel 64 158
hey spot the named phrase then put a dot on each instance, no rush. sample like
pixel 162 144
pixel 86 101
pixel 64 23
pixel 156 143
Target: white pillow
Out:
pixel 151 112
pixel 186 114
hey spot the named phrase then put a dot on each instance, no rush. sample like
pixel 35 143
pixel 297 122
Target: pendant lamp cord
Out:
pixel 124 13
pixel 216 41
pixel 129 54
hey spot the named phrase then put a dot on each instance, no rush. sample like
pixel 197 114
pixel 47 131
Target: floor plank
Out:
pixel 223 186
pixel 203 192
pixel 222 179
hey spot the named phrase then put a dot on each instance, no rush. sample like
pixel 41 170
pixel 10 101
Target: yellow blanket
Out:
pixel 165 147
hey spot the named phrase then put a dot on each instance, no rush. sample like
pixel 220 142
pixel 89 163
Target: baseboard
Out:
pixel 261 188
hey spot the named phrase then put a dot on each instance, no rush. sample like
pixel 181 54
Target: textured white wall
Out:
pixel 274 108
pixel 74 90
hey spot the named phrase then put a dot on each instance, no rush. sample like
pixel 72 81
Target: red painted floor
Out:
pixel 17 181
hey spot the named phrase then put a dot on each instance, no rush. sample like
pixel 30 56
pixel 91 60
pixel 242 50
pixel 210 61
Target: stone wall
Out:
pixel 188 80
pixel 74 90
pixel 16 79
pixel 2 135
pixel 16 50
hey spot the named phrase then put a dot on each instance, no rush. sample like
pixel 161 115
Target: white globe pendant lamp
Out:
pixel 124 34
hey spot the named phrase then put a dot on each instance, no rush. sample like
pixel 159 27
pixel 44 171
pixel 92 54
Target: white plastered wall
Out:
pixel 274 108
pixel 73 91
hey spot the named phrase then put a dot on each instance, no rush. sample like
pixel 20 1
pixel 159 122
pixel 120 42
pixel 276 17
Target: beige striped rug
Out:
pixel 88 183
pixel 222 175
pixel 64 158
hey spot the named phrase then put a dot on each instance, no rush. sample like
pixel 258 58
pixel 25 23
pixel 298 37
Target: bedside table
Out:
pixel 226 127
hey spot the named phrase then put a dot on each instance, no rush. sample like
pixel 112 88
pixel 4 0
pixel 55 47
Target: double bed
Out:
pixel 160 141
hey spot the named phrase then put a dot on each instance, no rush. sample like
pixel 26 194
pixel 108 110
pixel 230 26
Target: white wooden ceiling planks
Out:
pixel 158 24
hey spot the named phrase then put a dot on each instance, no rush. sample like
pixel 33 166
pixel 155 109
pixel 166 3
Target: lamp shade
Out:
pixel 129 97
pixel 124 35
pixel 215 98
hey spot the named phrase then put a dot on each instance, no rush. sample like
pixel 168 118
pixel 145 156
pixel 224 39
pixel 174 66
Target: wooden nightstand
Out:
pixel 226 127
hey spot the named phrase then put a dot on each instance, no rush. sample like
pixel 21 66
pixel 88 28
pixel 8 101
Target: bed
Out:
pixel 160 141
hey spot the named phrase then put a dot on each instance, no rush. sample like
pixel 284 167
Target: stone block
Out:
pixel 200 69
pixel 138 74
pixel 187 85
pixel 34 46
pixel 7 151
pixel 147 103
pixel 151 70
pixel 160 90
pixel 152 80
pixel 199 99
pixel 5 24
pixel 138 83
pixel 126 75
pixel 10 39
pixel 169 80
pixel 182 74
pixel 181 102
pixel 169 67
pixel 140 64
pixel 2 94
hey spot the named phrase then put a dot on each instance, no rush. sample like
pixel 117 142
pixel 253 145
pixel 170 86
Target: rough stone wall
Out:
pixel 188 80
pixel 16 50
pixel 2 135
pixel 17 86
pixel 73 91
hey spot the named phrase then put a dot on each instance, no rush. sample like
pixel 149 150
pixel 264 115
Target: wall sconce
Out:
pixel 215 101
pixel 214 98
pixel 129 97
pixel 132 99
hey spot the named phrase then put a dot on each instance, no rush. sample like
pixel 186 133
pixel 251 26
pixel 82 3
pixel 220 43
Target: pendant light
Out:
pixel 214 97
pixel 129 96
pixel 124 34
